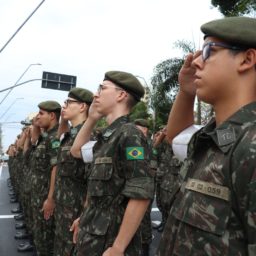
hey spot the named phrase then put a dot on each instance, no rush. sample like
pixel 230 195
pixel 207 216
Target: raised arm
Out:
pixel 85 132
pixel 182 113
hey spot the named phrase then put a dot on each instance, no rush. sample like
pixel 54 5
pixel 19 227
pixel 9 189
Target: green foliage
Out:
pixel 140 110
pixel 235 7
pixel 102 123
pixel 165 87
pixel 165 83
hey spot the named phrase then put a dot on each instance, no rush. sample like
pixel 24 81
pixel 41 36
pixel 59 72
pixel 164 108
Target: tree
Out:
pixel 165 87
pixel 206 113
pixel 235 7
pixel 140 110
pixel 165 83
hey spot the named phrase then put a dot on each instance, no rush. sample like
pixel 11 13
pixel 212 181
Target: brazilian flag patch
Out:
pixel 134 153
pixel 55 144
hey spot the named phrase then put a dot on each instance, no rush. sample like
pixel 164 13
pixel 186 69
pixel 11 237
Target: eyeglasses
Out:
pixel 206 52
pixel 68 101
pixel 103 87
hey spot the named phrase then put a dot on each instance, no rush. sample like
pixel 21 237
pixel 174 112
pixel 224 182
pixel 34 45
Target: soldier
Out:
pixel 43 176
pixel 146 230
pixel 214 212
pixel 120 185
pixel 70 187
pixel 28 149
pixel 166 175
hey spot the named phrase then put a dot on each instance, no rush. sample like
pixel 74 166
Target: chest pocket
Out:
pixel 100 182
pixel 203 209
pixel 66 163
pixel 41 158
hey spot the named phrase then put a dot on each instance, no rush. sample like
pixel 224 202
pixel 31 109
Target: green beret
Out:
pixel 142 122
pixel 50 106
pixel 127 81
pixel 240 31
pixel 81 95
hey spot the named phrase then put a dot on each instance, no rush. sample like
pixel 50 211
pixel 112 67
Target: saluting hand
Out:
pixel 187 74
pixel 93 111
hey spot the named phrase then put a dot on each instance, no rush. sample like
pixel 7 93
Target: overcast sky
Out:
pixel 86 38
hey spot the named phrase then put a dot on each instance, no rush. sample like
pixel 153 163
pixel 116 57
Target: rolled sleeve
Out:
pixel 139 188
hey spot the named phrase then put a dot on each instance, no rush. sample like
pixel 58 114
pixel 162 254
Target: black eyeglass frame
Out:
pixel 68 101
pixel 100 88
pixel 206 51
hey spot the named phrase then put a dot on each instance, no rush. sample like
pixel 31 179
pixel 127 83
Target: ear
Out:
pixel 248 60
pixel 83 107
pixel 52 115
pixel 122 95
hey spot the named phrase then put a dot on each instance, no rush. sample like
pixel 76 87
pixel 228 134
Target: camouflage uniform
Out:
pixel 120 171
pixel 167 177
pixel 70 193
pixel 146 227
pixel 27 190
pixel 44 159
pixel 16 174
pixel 215 210
pixel 11 168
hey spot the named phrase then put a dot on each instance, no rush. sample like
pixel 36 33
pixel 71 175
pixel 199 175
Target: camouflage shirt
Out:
pixel 120 171
pixel 44 158
pixel 215 210
pixel 71 177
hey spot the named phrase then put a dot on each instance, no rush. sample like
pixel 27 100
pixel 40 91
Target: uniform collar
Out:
pixel 227 133
pixel 74 130
pixel 116 124
pixel 53 129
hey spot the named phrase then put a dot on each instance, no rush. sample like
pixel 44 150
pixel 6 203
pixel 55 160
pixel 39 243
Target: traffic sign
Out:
pixel 58 81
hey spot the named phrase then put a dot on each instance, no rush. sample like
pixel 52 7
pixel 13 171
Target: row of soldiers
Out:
pixel 214 207
pixel 51 183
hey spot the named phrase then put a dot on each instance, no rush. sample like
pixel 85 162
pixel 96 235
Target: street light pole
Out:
pixel 19 80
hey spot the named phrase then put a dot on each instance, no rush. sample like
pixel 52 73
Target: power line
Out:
pixel 21 26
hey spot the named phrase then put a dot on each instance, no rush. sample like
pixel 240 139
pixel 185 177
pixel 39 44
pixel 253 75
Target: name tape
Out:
pixel 103 160
pixel 208 189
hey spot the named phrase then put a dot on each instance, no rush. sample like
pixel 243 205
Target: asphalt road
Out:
pixel 8 244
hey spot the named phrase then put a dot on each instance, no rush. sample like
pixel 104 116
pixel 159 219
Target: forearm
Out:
pixel 82 137
pixel 27 145
pixel 35 134
pixel 52 182
pixel 133 216
pixel 181 115
pixel 63 127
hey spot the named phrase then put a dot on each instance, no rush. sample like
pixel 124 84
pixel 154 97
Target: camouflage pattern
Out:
pixel 215 210
pixel 17 175
pixel 11 167
pixel 146 226
pixel 27 190
pixel 44 159
pixel 19 172
pixel 166 178
pixel 113 180
pixel 70 193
